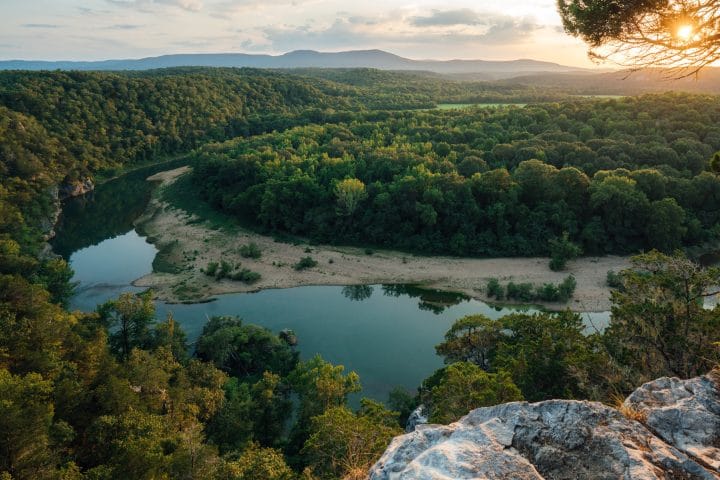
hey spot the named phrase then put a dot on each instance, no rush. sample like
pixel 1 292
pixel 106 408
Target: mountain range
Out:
pixel 308 59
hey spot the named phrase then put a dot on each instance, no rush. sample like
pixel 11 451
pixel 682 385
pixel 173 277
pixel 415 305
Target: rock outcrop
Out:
pixel 564 440
pixel 58 194
pixel 75 189
pixel 419 416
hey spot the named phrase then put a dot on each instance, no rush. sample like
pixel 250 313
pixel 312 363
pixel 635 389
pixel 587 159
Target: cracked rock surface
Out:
pixel 565 439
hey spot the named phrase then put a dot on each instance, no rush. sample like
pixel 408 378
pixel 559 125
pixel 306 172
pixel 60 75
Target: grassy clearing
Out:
pixel 464 106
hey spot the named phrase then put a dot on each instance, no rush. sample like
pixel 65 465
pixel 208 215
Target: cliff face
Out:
pixel 58 194
pixel 677 437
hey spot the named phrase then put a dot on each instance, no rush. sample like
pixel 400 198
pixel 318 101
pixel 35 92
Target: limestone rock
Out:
pixel 564 440
pixel 419 416
pixel 684 413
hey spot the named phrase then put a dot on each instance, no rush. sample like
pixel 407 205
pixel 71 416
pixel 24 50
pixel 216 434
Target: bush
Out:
pixel 561 251
pixel 494 289
pixel 246 276
pixel 614 280
pixel 250 250
pixel 548 293
pixel 522 292
pixel 225 269
pixel 211 269
pixel 527 292
pixel 305 263
pixel 567 288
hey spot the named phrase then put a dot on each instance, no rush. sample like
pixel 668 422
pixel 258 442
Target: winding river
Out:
pixel 386 334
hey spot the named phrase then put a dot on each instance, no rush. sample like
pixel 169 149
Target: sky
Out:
pixel 104 29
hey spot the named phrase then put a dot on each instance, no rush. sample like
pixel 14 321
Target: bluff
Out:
pixel 667 429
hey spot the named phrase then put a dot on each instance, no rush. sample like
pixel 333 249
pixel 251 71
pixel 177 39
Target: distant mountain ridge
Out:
pixel 306 59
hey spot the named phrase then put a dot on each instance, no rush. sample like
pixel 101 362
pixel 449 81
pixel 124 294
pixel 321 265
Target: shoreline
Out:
pixel 186 246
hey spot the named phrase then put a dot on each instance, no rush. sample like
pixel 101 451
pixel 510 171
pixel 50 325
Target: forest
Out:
pixel 618 176
pixel 119 393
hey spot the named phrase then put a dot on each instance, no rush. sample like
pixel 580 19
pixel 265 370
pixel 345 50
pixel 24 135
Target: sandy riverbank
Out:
pixel 189 246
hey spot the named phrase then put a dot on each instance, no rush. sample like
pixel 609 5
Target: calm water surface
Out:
pixel 386 334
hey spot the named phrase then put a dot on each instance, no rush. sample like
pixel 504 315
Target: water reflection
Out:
pixel 358 293
pixel 107 212
pixel 434 301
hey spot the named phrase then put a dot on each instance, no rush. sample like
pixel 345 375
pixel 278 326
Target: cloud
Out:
pixel 40 25
pixel 396 29
pixel 143 5
pixel 124 26
pixel 463 16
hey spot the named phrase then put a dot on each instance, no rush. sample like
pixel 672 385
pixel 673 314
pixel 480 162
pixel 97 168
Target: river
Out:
pixel 386 334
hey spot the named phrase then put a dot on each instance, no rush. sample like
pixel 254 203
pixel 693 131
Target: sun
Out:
pixel 685 32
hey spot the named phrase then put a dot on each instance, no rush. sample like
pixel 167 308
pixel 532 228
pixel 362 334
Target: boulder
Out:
pixel 566 439
pixel 684 413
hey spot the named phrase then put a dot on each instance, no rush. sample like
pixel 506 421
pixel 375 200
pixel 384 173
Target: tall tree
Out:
pixel 660 325
pixel 681 34
pixel 129 318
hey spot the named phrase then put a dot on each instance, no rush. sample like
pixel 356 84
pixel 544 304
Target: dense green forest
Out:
pixel 117 393
pixel 617 175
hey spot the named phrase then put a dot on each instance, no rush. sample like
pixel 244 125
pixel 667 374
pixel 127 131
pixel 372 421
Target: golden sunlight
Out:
pixel 685 32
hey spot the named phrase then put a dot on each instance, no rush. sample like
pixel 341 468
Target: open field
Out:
pixel 462 106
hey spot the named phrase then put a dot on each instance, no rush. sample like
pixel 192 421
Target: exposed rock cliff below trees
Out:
pixel 75 189
pixel 58 193
pixel 679 438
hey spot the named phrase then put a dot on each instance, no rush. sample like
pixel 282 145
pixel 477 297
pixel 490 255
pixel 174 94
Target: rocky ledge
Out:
pixel 669 429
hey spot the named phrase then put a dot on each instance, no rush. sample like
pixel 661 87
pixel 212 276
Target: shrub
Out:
pixel 548 293
pixel 522 292
pixel 251 250
pixel 494 289
pixel 211 269
pixel 225 269
pixel 614 280
pixel 247 276
pixel 561 251
pixel 567 288
pixel 305 263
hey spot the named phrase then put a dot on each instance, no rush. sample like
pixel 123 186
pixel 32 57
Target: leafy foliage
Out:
pixel 660 326
pixel 461 387
pixel 598 177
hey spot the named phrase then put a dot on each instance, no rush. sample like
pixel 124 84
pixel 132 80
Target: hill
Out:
pixel 306 59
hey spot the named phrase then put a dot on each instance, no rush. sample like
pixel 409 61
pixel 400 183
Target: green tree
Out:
pixel 244 351
pixel 548 355
pixel 321 385
pixel 345 445
pixel 256 462
pixel 170 335
pixel 27 415
pixel 471 339
pixel 562 250
pixel 463 387
pixel 666 225
pixel 128 318
pixel 659 326
pixel 349 192
pixel 715 163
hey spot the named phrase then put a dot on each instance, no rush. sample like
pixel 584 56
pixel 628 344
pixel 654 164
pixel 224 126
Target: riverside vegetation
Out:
pixel 116 393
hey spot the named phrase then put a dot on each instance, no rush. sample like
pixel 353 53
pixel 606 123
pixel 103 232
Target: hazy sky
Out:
pixel 101 29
